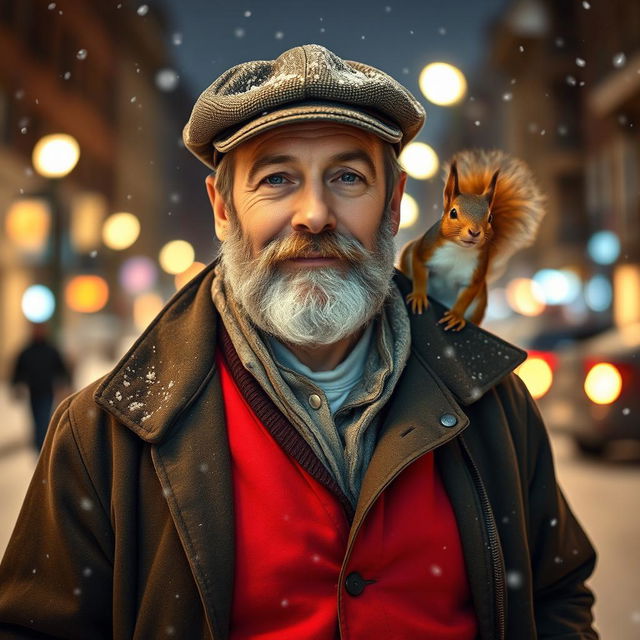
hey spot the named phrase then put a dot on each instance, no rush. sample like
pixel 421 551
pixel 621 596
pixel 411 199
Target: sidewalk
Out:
pixel 17 461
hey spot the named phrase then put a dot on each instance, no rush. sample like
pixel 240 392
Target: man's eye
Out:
pixel 274 180
pixel 350 178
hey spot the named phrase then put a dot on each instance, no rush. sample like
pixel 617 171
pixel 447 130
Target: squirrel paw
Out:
pixel 453 320
pixel 418 300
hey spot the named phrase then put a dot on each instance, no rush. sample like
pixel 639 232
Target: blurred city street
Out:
pixel 602 493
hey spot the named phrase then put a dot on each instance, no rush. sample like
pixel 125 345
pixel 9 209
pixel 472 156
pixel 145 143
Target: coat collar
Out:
pixel 174 358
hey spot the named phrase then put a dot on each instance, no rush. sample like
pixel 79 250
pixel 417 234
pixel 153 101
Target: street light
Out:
pixel 54 157
pixel 442 83
pixel 419 160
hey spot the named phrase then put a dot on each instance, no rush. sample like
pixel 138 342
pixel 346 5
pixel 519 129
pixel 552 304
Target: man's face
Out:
pixel 308 250
pixel 308 177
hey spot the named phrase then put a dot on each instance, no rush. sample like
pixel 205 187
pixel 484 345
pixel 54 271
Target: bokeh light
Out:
pixel 176 256
pixel 27 224
pixel 138 274
pixel 409 211
pixel 55 155
pixel 182 278
pixel 558 286
pixel 598 293
pixel 604 247
pixel 603 383
pixel 537 375
pixel 419 160
pixel 145 308
pixel 38 303
pixel 120 230
pixel 86 293
pixel 442 83
pixel 525 297
pixel 87 213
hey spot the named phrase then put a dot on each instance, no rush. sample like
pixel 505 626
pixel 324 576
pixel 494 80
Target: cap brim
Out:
pixel 310 112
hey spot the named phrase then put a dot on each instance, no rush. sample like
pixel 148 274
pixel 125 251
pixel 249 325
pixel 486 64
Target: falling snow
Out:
pixel 586 5
pixel 278 35
pixel 571 81
pixel 435 570
pixel 176 38
pixel 507 96
pixel 626 411
pixel 553 522
pixel 247 14
pixel 82 54
pixel 442 31
pixel 87 571
pixel 514 579
pixel 142 10
pixel 86 504
pixel 581 62
pixel 239 32
pixel 619 60
pixel 167 79
pixel 284 603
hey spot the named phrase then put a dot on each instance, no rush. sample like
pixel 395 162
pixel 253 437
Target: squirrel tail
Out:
pixel 518 205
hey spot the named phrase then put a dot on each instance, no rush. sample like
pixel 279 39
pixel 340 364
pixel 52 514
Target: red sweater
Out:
pixel 405 578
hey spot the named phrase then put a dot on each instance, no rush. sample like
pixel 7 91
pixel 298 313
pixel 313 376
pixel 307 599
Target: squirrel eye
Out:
pixel 453 213
pixel 490 218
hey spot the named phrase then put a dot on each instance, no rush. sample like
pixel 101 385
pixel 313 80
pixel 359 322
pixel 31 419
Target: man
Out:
pixel 41 368
pixel 286 452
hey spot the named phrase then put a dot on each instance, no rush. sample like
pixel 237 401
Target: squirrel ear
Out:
pixel 490 191
pixel 451 189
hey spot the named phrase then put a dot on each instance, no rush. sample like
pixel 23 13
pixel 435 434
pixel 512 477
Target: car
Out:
pixel 587 383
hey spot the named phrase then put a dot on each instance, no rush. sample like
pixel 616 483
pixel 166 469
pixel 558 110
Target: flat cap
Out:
pixel 306 83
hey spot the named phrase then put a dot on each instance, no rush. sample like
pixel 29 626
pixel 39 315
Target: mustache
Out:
pixel 328 244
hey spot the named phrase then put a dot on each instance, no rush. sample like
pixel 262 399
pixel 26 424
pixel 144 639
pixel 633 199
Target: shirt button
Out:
pixel 448 420
pixel 315 401
pixel 354 584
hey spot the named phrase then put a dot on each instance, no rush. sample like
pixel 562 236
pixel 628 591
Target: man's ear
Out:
pixel 220 215
pixel 396 199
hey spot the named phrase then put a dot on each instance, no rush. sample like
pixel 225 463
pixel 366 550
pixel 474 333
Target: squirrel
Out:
pixel 492 208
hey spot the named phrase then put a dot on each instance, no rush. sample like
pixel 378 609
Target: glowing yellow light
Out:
pixel 87 212
pixel 55 155
pixel 27 223
pixel 182 278
pixel 442 83
pixel 537 375
pixel 409 211
pixel 603 383
pixel 525 297
pixel 120 230
pixel 176 256
pixel 419 160
pixel 145 308
pixel 86 294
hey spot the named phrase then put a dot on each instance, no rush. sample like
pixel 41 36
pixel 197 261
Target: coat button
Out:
pixel 448 420
pixel 354 584
pixel 314 401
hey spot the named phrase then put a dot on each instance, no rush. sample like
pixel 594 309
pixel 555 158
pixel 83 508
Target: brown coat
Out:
pixel 127 528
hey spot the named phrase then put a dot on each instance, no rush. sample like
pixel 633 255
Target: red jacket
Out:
pixel 405 576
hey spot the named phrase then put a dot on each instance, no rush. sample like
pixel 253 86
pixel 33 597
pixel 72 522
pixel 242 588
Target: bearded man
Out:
pixel 286 453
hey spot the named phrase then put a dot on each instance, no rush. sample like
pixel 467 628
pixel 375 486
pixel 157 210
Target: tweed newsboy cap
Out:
pixel 306 83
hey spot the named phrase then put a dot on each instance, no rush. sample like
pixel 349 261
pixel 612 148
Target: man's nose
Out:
pixel 313 212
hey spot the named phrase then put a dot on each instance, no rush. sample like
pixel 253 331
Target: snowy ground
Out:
pixel 602 494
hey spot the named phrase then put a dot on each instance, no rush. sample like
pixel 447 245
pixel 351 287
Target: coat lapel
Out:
pixel 166 390
pixel 194 469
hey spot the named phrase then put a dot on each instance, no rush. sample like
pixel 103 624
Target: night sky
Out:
pixel 209 36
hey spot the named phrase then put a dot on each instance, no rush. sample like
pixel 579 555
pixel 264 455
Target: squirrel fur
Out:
pixel 492 208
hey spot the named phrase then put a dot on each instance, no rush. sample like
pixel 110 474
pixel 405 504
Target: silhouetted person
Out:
pixel 40 367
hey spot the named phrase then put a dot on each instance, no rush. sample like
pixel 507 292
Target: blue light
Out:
pixel 604 247
pixel 38 303
pixel 558 286
pixel 598 293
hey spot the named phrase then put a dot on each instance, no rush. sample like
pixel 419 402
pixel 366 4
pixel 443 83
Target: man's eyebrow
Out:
pixel 265 161
pixel 356 154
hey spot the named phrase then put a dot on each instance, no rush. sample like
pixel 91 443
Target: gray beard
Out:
pixel 319 306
